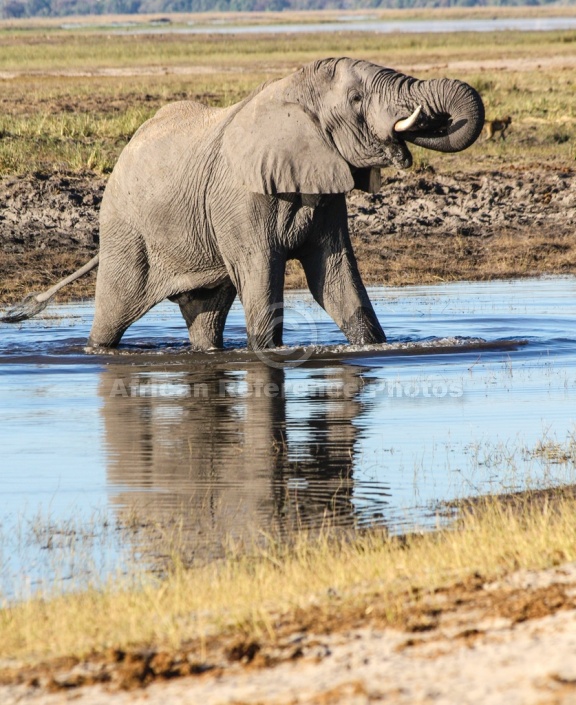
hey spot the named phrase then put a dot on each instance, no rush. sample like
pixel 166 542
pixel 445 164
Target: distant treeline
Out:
pixel 61 8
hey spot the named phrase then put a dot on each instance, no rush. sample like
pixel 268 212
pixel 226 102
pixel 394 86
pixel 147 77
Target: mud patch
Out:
pixel 428 227
pixel 422 228
pixel 48 228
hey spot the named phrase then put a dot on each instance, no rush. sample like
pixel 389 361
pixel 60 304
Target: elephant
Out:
pixel 208 203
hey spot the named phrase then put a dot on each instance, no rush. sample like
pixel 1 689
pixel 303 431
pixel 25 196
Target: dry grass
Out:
pixel 314 584
pixel 418 260
pixel 432 259
pixel 76 97
pixel 34 272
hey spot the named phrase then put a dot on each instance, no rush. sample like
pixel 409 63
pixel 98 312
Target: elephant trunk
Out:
pixel 452 115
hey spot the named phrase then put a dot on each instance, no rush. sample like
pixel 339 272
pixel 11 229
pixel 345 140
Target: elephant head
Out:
pixel 326 127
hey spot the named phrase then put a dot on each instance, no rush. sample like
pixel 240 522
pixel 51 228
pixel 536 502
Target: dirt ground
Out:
pixel 512 641
pixel 423 227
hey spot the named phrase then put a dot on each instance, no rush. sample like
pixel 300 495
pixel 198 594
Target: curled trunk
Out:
pixel 452 117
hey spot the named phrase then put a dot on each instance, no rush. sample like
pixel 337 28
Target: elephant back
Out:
pixel 182 115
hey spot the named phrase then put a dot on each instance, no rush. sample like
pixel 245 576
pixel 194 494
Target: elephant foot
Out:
pixel 363 328
pixel 265 341
pixel 195 347
pixel 205 312
pixel 205 338
pixel 93 348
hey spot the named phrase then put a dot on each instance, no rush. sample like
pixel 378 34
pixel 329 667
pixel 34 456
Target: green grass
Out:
pixel 61 50
pixel 77 97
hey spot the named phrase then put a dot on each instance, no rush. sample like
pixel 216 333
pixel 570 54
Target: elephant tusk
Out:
pixel 409 122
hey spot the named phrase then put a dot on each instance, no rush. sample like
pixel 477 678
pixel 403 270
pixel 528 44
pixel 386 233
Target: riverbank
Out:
pixel 483 612
pixel 423 227
pixel 422 618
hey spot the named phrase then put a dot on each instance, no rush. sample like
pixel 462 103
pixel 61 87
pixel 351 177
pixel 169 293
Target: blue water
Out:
pixel 349 24
pixel 229 445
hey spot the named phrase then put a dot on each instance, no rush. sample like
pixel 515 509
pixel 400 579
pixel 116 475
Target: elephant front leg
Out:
pixel 260 283
pixel 205 312
pixel 334 280
pixel 363 326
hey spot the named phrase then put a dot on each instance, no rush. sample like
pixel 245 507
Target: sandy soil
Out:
pixel 422 228
pixel 512 642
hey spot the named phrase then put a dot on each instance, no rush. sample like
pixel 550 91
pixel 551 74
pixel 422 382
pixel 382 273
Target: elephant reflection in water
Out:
pixel 226 454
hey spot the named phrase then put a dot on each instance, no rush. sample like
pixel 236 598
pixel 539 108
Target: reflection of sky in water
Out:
pixel 51 437
pixel 412 430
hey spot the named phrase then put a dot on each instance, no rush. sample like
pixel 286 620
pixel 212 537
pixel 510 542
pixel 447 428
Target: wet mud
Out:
pixel 423 227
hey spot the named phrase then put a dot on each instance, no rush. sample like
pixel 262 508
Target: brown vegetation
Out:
pixel 422 622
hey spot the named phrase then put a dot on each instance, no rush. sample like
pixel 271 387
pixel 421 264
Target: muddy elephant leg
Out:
pixel 259 280
pixel 334 280
pixel 205 312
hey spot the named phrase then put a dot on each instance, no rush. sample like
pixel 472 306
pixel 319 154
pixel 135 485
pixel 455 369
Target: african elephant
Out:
pixel 204 203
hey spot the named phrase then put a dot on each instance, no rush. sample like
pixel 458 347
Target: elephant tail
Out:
pixel 34 303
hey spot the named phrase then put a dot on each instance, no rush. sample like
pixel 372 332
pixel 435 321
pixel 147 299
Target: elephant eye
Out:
pixel 356 99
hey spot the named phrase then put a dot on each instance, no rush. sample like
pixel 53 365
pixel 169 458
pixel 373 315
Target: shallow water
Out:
pixel 229 445
pixel 363 24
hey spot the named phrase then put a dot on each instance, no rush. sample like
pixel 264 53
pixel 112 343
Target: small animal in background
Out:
pixel 491 127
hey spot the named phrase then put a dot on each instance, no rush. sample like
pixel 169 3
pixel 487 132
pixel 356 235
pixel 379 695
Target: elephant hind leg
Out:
pixel 110 324
pixel 205 312
pixel 122 297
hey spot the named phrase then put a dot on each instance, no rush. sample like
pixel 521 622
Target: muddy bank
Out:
pixel 520 629
pixel 48 228
pixel 423 227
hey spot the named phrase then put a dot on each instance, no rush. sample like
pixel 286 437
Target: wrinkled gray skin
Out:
pixel 205 202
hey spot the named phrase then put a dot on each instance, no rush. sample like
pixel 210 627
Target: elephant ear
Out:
pixel 277 147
